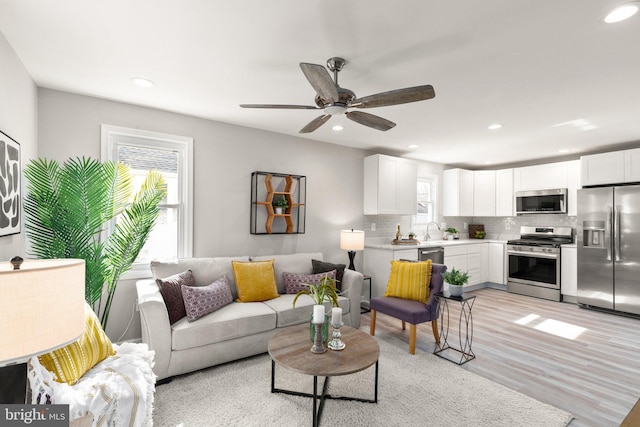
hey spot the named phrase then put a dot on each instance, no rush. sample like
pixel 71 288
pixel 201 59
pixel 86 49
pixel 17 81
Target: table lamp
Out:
pixel 352 241
pixel 41 307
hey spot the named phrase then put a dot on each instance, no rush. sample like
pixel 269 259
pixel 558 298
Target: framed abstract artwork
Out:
pixel 10 213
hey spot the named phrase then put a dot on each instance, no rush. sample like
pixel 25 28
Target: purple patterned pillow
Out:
pixel 201 300
pixel 170 289
pixel 295 282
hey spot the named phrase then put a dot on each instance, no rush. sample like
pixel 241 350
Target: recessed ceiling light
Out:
pixel 488 162
pixel 413 146
pixel 142 82
pixel 563 150
pixel 621 13
pixel 495 126
pixel 337 128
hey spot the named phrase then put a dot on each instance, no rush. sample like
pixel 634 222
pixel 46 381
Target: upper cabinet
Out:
pixel 617 167
pixel 390 185
pixel 484 193
pixel 541 177
pixel 457 195
pixel 504 192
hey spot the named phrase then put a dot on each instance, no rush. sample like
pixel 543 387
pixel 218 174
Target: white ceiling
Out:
pixel 539 67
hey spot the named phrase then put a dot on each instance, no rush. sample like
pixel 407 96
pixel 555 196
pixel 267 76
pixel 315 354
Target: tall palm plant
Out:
pixel 69 207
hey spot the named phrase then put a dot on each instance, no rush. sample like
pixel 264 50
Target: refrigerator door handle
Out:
pixel 616 230
pixel 607 232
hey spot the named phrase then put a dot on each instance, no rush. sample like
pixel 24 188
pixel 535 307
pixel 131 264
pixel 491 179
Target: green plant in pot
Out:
pixel 68 209
pixel 325 290
pixel 452 231
pixel 281 204
pixel 456 280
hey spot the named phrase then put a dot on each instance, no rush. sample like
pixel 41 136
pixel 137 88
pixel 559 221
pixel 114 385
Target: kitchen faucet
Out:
pixel 432 222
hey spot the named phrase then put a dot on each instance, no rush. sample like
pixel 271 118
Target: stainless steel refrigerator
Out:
pixel 608 240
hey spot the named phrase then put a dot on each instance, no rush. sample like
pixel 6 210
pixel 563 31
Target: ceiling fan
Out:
pixel 335 100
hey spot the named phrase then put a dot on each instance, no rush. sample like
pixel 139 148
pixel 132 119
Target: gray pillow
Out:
pixel 202 300
pixel 324 267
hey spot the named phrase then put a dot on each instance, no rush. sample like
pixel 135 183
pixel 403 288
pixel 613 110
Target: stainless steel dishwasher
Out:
pixel 435 254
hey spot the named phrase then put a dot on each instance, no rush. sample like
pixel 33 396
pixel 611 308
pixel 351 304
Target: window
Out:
pixel 426 200
pixel 172 156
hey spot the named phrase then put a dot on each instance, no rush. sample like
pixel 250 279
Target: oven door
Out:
pixel 534 268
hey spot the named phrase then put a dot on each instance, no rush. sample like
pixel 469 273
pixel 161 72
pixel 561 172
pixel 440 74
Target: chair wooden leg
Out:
pixel 412 338
pixel 436 334
pixel 404 325
pixel 372 323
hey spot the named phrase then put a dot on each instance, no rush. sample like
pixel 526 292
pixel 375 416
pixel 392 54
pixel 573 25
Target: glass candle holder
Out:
pixel 336 343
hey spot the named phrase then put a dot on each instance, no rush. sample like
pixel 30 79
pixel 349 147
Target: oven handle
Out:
pixel 534 254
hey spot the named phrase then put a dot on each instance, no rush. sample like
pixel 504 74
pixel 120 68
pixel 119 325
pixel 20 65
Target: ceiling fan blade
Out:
pixel 370 120
pixel 315 123
pixel 395 97
pixel 280 106
pixel 320 80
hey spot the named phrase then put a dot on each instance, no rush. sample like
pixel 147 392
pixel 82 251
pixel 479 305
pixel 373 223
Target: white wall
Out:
pixel 225 156
pixel 18 120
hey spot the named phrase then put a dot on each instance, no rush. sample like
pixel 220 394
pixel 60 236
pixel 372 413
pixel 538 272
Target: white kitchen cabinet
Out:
pixel 408 254
pixel 496 269
pixel 484 193
pixel 540 177
pixel 504 192
pixel 472 258
pixel 573 183
pixel 457 189
pixel 632 165
pixel 604 168
pixel 569 271
pixel 390 185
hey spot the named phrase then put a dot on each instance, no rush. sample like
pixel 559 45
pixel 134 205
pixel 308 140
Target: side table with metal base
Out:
pixel 465 329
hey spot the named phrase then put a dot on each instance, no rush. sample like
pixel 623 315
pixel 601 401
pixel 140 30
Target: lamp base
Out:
pixel 352 256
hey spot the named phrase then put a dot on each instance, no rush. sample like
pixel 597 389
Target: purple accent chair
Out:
pixel 414 312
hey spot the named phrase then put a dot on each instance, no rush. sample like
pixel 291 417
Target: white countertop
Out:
pixel 430 244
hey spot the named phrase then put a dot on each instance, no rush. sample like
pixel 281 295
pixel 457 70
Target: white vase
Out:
pixel 278 210
pixel 456 291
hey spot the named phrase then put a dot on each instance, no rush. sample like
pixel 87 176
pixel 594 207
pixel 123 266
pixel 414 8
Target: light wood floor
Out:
pixel 595 376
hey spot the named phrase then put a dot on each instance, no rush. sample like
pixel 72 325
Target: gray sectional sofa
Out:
pixel 237 330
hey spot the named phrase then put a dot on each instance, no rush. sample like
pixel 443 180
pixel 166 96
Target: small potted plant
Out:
pixel 280 204
pixel 325 290
pixel 456 280
pixel 412 235
pixel 453 232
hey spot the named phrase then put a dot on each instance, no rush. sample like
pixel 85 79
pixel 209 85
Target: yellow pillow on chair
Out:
pixel 68 364
pixel 409 280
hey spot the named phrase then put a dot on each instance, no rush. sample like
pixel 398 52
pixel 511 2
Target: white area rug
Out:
pixel 413 390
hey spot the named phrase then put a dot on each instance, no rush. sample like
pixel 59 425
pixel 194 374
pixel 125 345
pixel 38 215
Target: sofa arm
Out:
pixel 155 326
pixel 352 289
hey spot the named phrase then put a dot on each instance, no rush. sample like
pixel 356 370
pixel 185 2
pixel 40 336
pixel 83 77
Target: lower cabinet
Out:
pixel 569 271
pixel 497 272
pixel 473 259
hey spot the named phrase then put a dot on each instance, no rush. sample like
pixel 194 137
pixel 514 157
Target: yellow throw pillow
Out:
pixel 255 281
pixel 68 364
pixel 409 280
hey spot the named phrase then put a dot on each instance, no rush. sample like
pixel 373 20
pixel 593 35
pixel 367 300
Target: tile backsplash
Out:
pixel 502 228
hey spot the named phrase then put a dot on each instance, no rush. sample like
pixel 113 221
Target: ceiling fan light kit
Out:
pixel 335 100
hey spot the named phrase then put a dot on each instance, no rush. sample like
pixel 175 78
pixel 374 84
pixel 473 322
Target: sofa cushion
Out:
pixel 205 270
pixel 292 263
pixel 287 315
pixel 409 280
pixel 255 281
pixel 319 266
pixel 202 300
pixel 171 291
pixel 295 282
pixel 231 321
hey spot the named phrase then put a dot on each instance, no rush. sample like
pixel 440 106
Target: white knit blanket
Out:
pixel 117 391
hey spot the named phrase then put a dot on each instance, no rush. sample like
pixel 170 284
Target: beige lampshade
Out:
pixel 352 240
pixel 41 307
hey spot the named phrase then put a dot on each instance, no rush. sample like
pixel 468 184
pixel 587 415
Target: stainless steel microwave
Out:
pixel 552 201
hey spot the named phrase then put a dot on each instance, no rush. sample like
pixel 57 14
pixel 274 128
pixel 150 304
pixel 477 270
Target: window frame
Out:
pixel 113 136
pixel 419 218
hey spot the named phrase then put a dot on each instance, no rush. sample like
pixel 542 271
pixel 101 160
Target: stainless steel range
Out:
pixel 534 261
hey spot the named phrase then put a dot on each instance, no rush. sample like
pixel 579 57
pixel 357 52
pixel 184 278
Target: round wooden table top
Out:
pixel 291 348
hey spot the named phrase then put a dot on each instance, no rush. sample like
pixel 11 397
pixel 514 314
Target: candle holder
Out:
pixel 318 347
pixel 336 343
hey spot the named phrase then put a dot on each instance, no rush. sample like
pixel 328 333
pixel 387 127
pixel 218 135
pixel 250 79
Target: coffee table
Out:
pixel 291 349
